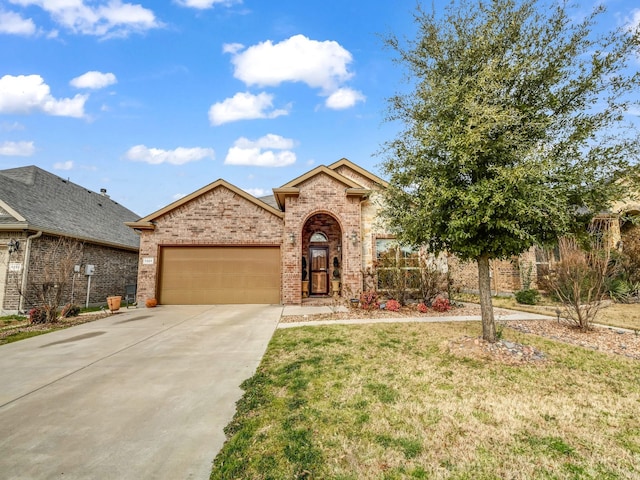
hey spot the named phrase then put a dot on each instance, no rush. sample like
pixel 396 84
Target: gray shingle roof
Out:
pixel 55 205
pixel 270 200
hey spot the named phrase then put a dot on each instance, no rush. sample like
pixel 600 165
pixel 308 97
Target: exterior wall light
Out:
pixel 14 246
pixel 292 238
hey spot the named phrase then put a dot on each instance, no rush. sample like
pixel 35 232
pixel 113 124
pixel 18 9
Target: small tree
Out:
pixel 57 263
pixel 579 279
pixel 513 130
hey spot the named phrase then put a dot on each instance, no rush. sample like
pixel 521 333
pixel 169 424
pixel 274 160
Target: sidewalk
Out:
pixel 289 310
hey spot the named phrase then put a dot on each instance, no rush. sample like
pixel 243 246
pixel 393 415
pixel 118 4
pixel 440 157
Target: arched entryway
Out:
pixel 322 255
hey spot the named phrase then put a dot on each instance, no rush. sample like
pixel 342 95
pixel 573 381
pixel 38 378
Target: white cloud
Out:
pixel 27 93
pixel 244 106
pixel 204 4
pixel 344 98
pixel 68 165
pixel 94 80
pixel 270 140
pixel 256 192
pixel 13 24
pixel 232 48
pixel 178 196
pixel 298 59
pixel 17 149
pixel 110 18
pixel 251 152
pixel 179 156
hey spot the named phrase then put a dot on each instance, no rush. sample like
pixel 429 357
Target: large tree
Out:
pixel 514 129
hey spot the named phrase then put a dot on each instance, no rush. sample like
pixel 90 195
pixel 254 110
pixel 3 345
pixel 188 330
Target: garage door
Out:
pixel 218 275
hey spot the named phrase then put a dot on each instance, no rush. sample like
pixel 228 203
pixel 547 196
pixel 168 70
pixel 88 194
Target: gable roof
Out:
pixel 146 223
pixel 33 199
pixel 358 169
pixel 292 187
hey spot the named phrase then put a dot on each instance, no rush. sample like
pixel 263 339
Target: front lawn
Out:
pixel 389 401
pixel 621 315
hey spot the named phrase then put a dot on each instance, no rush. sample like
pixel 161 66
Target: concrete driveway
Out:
pixel 143 394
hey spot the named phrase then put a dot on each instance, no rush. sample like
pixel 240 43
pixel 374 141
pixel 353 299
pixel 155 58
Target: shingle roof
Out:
pixel 270 200
pixel 55 205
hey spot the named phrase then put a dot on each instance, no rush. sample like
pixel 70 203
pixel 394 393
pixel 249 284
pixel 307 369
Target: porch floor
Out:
pixel 319 301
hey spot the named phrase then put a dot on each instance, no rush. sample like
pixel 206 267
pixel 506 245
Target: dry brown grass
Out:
pixel 390 401
pixel 622 315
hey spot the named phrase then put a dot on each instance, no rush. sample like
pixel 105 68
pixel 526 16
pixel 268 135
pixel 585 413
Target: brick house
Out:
pixel 222 245
pixel 37 209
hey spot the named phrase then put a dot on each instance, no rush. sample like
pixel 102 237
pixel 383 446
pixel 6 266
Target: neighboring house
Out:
pixel 38 208
pixel 222 245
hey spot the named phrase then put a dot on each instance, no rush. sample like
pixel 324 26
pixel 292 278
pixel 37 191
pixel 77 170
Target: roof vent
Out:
pixel 103 192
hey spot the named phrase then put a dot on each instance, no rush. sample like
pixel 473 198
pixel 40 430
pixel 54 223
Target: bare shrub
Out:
pixel 579 278
pixel 434 279
pixel 57 261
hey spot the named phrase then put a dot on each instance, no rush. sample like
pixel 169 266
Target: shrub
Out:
pixel 393 305
pixel 70 310
pixel 37 315
pixel 369 300
pixel 433 280
pixel 441 304
pixel 579 279
pixel 527 297
pixel 422 308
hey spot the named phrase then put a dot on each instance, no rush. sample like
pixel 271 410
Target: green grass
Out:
pixel 11 320
pixel 389 401
pixel 14 337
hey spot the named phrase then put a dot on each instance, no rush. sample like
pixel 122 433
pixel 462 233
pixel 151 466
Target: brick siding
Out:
pixel 114 268
pixel 217 217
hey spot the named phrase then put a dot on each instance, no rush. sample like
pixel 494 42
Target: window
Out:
pixel 319 237
pixel 393 260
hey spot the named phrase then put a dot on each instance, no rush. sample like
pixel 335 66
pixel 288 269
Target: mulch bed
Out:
pixel 60 324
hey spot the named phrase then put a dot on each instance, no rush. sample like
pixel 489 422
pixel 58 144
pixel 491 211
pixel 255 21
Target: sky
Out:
pixel 153 100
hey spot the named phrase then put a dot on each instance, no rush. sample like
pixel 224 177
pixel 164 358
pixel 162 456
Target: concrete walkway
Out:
pixel 144 394
pixel 314 310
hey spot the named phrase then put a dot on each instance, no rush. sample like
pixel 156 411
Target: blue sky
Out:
pixel 154 100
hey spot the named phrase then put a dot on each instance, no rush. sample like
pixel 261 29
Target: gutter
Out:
pixel 25 270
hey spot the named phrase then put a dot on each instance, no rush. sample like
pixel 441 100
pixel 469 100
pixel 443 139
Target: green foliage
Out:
pixel 527 297
pixel 501 147
pixel 513 132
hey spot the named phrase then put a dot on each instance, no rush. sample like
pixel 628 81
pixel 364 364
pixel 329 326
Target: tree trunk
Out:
pixel 486 307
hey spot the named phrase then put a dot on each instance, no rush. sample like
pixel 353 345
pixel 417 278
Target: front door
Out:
pixel 319 270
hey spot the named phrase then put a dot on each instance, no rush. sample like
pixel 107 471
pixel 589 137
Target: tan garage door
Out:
pixel 218 275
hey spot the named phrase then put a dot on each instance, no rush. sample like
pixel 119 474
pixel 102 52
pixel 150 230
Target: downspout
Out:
pixel 25 270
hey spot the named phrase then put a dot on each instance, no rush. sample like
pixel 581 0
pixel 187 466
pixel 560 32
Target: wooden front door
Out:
pixel 319 270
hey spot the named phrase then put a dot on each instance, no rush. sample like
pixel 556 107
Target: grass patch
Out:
pixel 12 320
pixel 621 315
pixel 15 337
pixel 336 402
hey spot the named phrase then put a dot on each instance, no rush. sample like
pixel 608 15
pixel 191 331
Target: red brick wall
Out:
pixel 218 217
pixel 322 194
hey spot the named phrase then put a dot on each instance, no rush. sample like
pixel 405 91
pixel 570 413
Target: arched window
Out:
pixel 319 237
